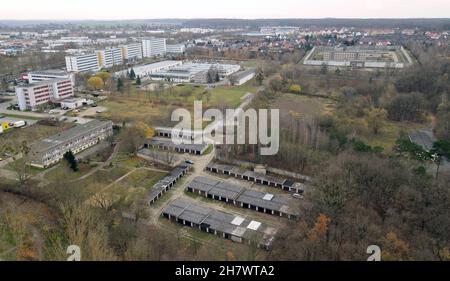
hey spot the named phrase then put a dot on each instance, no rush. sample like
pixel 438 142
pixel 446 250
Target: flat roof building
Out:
pixel 168 144
pixel 82 63
pixel 50 151
pixel 132 51
pixel 258 178
pixel 193 72
pixel 176 49
pixel 148 69
pixel 242 77
pixel 41 75
pixel 153 47
pixel 35 94
pixel 167 183
pixel 110 57
pixel 226 225
pixel 268 203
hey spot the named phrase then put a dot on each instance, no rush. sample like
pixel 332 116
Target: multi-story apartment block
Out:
pixel 176 49
pixel 82 62
pixel 153 47
pixel 132 51
pixel 50 151
pixel 32 95
pixel 109 57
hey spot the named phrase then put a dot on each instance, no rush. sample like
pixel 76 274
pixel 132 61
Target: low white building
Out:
pixel 148 69
pixel 72 103
pixel 242 77
pixel 42 75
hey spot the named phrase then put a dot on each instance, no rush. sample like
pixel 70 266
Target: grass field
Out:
pixel 304 106
pixel 62 171
pixel 21 117
pixel 155 108
pixel 311 107
pixel 142 178
pixel 388 135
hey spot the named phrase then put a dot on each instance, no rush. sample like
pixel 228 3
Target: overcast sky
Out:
pixel 150 9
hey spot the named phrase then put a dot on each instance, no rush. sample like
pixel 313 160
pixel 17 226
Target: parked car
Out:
pixel 189 162
pixel 297 195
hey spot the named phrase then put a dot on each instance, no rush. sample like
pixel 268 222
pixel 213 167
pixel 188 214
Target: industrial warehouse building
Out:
pixel 49 151
pixel 147 69
pixel 267 203
pixel 168 144
pixel 166 183
pixel 194 72
pixel 220 223
pixel 233 171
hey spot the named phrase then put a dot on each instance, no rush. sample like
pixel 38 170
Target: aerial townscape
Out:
pixel 91 156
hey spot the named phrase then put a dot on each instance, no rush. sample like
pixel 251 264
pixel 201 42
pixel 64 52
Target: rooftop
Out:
pixel 45 144
pixel 240 194
pixel 220 221
pixel 170 143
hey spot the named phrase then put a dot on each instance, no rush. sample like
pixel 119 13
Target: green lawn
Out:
pixel 303 106
pixel 155 107
pixel 22 117
pixel 143 178
pixel 62 171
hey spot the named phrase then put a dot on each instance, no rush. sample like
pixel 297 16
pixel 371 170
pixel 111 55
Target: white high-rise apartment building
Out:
pixel 132 51
pixel 154 47
pixel 109 57
pixel 82 63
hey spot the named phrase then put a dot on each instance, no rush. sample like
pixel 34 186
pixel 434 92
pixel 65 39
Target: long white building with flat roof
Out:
pixel 148 69
pixel 41 75
pixel 82 63
pixel 154 47
pixel 194 72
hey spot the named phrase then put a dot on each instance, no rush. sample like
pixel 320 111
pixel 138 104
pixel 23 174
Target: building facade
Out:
pixel 132 51
pixel 154 47
pixel 50 151
pixel 82 63
pixel 109 57
pixel 38 76
pixel 32 95
pixel 176 49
